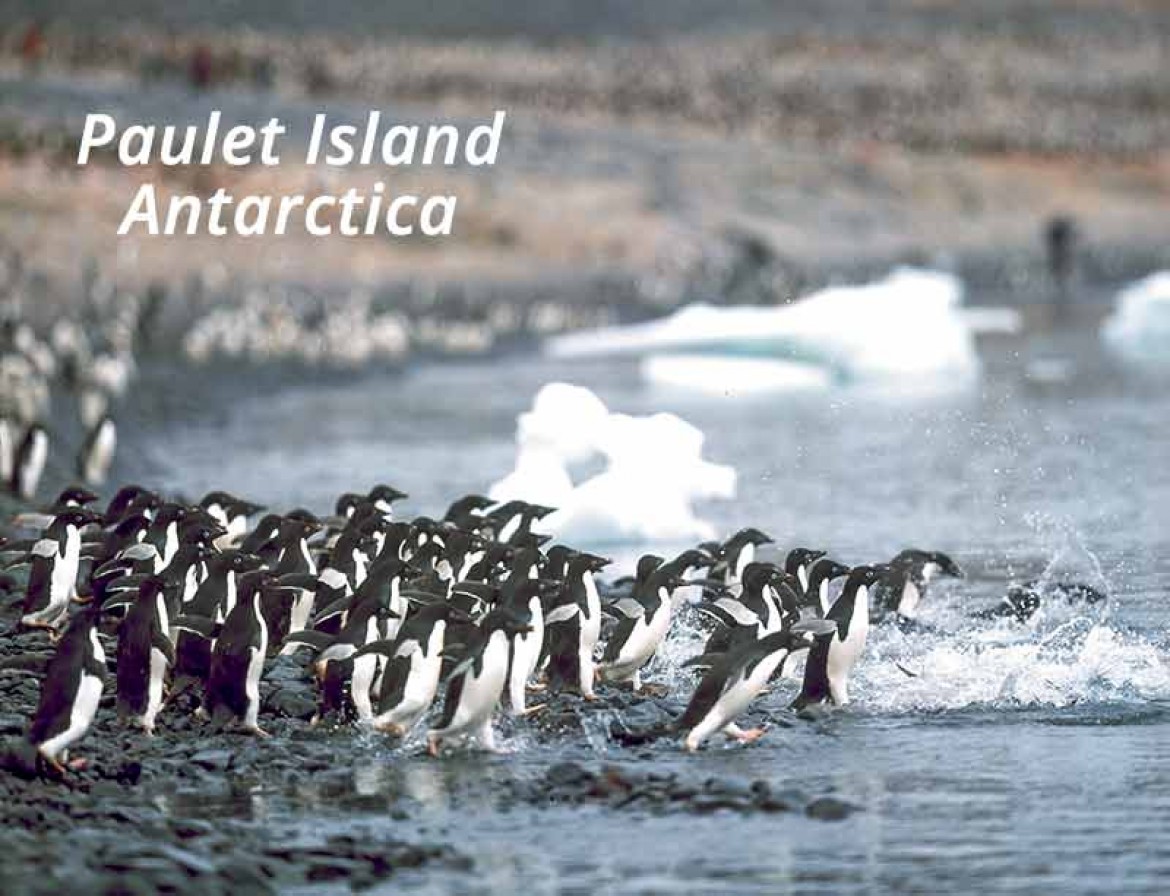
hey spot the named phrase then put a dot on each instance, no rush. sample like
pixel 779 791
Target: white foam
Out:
pixel 906 326
pixel 1138 331
pixel 653 475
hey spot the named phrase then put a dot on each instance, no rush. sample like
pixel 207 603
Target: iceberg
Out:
pixel 730 376
pixel 1138 330
pixel 905 327
pixel 654 471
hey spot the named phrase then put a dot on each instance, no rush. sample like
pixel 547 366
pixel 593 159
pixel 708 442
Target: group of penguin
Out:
pixel 475 604
pixel 92 361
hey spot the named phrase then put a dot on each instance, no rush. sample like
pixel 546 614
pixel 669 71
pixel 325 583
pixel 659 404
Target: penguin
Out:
pixel 820 576
pixel 97 451
pixel 769 602
pixel 214 600
pixel 737 552
pixel 798 562
pixel 467 512
pixel 145 651
pixel 911 571
pixel 413 669
pixel 237 660
pixel 523 598
pixel 642 625
pixel 71 691
pixel 1021 602
pixel 573 627
pixel 128 501
pixel 736 678
pixel 29 463
pixel 7 448
pixel 383 498
pixel 56 556
pixel 230 512
pixel 476 684
pixel 832 657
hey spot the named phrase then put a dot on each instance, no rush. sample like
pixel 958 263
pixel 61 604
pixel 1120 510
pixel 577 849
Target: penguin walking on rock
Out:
pixel 573 627
pixel 56 556
pixel 145 651
pixel 237 660
pixel 643 622
pixel 736 678
pixel 832 657
pixel 414 662
pixel 71 691
pixel 476 684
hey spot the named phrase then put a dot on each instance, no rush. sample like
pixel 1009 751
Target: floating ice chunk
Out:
pixel 731 375
pixel 905 326
pixel 654 471
pixel 1138 331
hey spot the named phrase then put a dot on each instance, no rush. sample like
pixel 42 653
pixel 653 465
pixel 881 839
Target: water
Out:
pixel 1016 759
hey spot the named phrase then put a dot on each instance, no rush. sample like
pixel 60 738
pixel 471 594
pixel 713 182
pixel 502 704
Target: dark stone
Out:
pixel 830 808
pixel 213 760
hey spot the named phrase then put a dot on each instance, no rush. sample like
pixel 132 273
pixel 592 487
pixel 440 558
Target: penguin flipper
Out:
pixel 309 638
pixel 196 625
pixel 163 645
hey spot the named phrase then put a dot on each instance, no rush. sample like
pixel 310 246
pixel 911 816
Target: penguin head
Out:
pixel 946 565
pixel 236 561
pixel 468 504
pixel 801 557
pixel 385 494
pixel 868 575
pixel 75 496
pixel 647 563
pixel 77 516
pixel 746 536
pixel 300 524
pixel 347 504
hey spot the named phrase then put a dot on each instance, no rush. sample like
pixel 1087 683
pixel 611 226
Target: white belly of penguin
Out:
pixel 479 696
pixel 643 642
pixel 526 655
pixel 365 669
pixel 63 581
pixel 158 670
pixel 255 670
pixel 843 655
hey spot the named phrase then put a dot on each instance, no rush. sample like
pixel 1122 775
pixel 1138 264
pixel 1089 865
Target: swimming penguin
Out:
pixel 29 463
pixel 145 651
pixel 832 657
pixel 55 557
pixel 413 668
pixel 911 571
pixel 97 451
pixel 573 627
pixel 643 621
pixel 71 690
pixel 1023 601
pixel 237 660
pixel 476 684
pixel 735 679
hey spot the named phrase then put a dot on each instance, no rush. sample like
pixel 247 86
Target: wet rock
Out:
pixel 294 704
pixel 830 808
pixel 213 760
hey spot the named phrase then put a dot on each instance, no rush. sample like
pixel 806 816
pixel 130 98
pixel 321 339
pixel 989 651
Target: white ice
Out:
pixel 1138 331
pixel 905 327
pixel 654 471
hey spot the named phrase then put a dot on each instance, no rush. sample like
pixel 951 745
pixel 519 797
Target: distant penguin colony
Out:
pixel 427 626
pixel 86 363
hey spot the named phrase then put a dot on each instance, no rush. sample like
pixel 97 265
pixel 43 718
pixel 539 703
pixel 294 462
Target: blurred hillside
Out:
pixel 671 150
